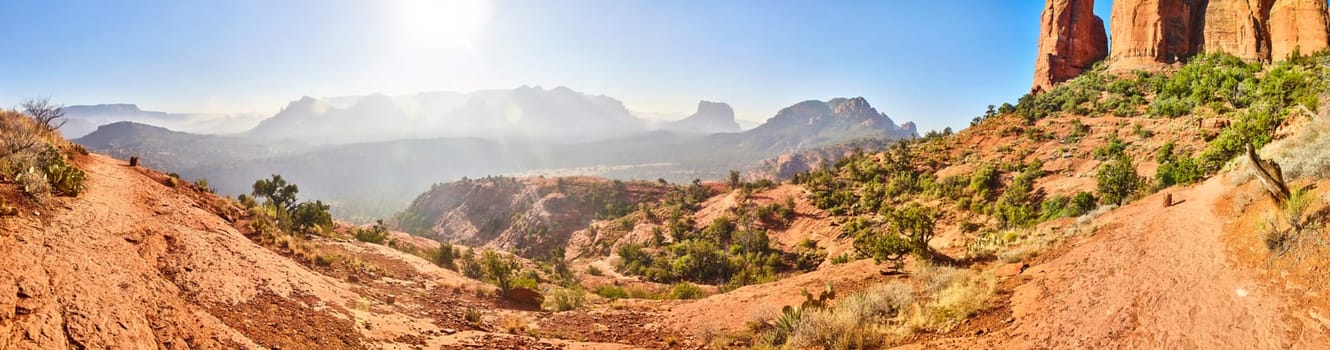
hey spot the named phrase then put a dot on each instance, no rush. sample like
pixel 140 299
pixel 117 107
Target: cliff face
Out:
pixel 1072 39
pixel 1300 25
pixel 1151 34
pixel 1238 28
pixel 1148 33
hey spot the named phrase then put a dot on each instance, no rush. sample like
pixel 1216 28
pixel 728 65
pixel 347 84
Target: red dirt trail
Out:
pixel 1149 277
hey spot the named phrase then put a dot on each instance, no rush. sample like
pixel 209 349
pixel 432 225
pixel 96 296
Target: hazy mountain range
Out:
pixel 371 154
pixel 84 119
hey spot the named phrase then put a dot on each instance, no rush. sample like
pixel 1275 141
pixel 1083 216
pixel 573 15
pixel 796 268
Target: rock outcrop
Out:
pixel 1238 28
pixel 1152 34
pixel 1071 40
pixel 1149 33
pixel 1298 25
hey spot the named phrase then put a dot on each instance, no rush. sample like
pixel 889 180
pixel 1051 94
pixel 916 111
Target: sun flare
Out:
pixel 431 23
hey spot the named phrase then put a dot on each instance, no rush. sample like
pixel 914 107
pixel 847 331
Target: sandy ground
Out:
pixel 132 263
pixel 1150 277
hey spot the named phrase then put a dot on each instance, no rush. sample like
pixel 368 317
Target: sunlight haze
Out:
pixel 935 63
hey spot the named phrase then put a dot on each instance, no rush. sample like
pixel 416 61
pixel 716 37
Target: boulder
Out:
pixel 524 296
pixel 1071 40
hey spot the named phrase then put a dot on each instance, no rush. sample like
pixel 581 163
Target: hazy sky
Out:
pixel 937 63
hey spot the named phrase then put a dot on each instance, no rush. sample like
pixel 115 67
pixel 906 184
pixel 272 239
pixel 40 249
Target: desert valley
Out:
pixel 1165 183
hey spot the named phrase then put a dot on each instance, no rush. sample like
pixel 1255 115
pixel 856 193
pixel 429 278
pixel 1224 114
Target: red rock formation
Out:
pixel 1149 33
pixel 1298 25
pixel 1237 27
pixel 1071 39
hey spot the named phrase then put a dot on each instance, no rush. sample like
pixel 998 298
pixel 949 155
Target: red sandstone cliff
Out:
pixel 1072 39
pixel 1151 34
pixel 1298 24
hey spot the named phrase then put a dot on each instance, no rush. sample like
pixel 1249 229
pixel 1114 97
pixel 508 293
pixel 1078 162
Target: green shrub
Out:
pixel 612 292
pixel 1118 181
pixel 1171 107
pixel 499 270
pixel 1185 170
pixel 1060 206
pixel 311 217
pixel 530 279
pixel 984 182
pixel 470 266
pixel 685 290
pixel 1078 131
pixel 373 234
pixel 1112 148
pixel 1018 205
pixel 445 256
pixel 907 231
pixel 564 299
pixel 594 271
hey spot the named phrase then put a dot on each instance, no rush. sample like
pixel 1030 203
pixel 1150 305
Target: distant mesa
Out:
pixel 84 119
pixel 710 118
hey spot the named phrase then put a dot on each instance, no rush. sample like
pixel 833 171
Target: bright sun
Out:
pixel 433 23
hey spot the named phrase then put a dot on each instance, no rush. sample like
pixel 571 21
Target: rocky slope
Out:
pixel 1071 39
pixel 531 216
pixel 136 263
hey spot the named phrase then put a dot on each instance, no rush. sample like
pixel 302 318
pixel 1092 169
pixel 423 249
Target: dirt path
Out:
pixel 1151 277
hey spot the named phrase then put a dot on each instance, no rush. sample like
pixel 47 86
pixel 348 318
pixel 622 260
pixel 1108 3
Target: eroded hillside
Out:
pixel 1113 210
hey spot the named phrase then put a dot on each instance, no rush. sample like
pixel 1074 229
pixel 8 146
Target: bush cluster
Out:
pixel 35 157
pixel 281 205
pixel 865 184
pixel 374 234
pixel 905 231
pixel 1255 99
pixel 1118 181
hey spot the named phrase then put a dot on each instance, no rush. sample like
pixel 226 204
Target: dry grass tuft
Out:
pixel 964 295
pixel 1306 154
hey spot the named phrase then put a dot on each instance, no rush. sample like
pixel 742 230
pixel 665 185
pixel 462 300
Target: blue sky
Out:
pixel 937 63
